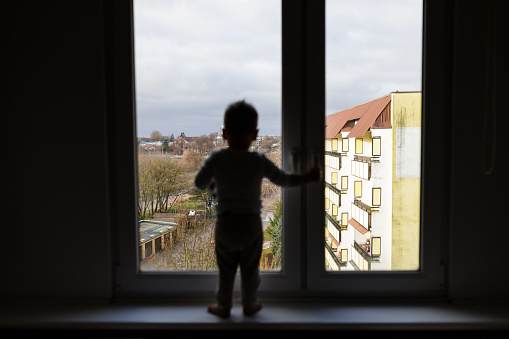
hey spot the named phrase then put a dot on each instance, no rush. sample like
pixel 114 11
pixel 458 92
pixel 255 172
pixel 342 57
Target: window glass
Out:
pixel 373 100
pixel 377 147
pixel 193 58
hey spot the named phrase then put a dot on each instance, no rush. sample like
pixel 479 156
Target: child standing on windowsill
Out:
pixel 236 174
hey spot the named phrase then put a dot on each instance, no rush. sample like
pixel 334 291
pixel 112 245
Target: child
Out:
pixel 236 174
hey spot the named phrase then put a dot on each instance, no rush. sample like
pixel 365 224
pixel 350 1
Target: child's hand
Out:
pixel 315 174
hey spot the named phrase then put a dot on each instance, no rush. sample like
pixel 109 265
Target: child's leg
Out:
pixel 250 273
pixel 227 264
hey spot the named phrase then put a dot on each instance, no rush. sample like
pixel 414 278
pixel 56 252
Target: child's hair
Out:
pixel 240 118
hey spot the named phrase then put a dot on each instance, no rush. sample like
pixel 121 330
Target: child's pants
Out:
pixel 238 241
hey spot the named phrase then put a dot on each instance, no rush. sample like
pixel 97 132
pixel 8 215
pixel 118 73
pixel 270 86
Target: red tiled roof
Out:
pixel 357 226
pixel 365 114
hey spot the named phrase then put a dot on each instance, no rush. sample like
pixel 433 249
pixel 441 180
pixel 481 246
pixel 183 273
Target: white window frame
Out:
pixel 303 120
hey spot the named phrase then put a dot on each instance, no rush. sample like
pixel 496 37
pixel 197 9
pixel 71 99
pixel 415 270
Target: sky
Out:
pixel 194 57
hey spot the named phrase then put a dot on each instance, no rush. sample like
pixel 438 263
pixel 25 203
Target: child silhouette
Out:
pixel 236 175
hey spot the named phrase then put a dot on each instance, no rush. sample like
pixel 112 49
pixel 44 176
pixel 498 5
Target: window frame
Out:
pixel 303 65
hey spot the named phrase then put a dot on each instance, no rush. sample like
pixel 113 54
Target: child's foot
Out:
pixel 219 311
pixel 250 310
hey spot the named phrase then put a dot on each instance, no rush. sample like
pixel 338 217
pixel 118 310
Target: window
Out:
pixel 344 182
pixel 344 219
pixel 377 196
pixel 334 145
pixel 193 86
pixel 344 255
pixel 358 146
pixel 376 147
pixel 344 145
pixel 303 96
pixel 375 246
pixel 357 189
pixel 334 178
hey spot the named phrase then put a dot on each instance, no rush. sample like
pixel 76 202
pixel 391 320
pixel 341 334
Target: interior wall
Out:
pixel 55 237
pixel 479 175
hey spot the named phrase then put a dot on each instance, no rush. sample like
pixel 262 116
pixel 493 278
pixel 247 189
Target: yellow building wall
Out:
pixel 406 112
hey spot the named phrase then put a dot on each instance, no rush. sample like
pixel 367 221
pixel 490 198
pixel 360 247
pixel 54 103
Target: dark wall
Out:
pixel 55 227
pixel 479 148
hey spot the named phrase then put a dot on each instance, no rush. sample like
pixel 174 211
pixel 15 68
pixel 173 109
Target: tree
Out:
pixel 192 160
pixel 275 230
pixel 156 136
pixel 166 146
pixel 204 144
pixel 161 181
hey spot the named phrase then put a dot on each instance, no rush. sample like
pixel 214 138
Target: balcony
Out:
pixel 333 222
pixel 333 159
pixel 361 167
pixel 335 254
pixel 365 251
pixel 334 189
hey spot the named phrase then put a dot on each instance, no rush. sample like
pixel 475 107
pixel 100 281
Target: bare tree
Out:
pixel 156 136
pixel 161 181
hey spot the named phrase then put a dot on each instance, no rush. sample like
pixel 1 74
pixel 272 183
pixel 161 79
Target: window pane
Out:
pixel 373 91
pixel 377 147
pixel 193 58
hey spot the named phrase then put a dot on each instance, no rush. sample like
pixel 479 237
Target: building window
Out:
pixel 344 219
pixel 377 146
pixel 344 145
pixel 357 189
pixel 344 182
pixel 376 246
pixel 334 145
pixel 377 196
pixel 334 178
pixel 344 255
pixel 358 146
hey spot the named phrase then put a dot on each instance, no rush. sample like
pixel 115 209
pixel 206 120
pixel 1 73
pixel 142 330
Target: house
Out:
pixel 372 192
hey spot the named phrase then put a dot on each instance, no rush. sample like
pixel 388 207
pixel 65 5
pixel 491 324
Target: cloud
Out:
pixel 193 57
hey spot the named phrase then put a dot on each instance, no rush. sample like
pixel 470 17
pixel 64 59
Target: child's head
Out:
pixel 240 124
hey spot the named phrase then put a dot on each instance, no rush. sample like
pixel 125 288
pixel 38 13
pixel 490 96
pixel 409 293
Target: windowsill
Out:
pixel 147 316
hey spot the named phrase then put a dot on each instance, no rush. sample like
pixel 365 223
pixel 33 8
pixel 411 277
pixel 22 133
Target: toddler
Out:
pixel 236 174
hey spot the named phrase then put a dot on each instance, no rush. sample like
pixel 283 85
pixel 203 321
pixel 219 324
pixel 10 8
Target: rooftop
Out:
pixel 359 119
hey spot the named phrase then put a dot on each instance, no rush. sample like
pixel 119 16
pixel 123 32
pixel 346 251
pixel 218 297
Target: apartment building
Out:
pixel 372 185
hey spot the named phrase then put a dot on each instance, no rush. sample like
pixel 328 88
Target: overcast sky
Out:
pixel 193 57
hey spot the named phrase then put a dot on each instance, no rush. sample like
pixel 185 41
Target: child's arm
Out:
pixel 301 179
pixel 203 178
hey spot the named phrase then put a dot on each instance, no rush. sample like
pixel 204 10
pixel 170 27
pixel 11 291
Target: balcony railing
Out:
pixel 365 251
pixel 333 222
pixel 336 256
pixel 363 170
pixel 333 154
pixel 334 189
pixel 336 155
